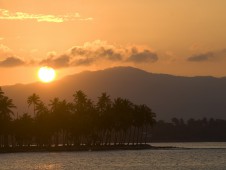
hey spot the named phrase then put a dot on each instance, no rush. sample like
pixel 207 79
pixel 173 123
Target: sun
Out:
pixel 46 74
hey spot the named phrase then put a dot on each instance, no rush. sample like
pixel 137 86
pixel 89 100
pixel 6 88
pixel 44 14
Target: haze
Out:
pixel 174 37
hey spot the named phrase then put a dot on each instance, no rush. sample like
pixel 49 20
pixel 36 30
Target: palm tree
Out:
pixel 122 109
pixel 1 92
pixel 54 108
pixel 84 114
pixel 81 122
pixel 43 124
pixel 54 103
pixel 61 117
pixel 138 121
pixel 149 119
pixel 80 100
pixel 24 130
pixel 104 103
pixel 104 106
pixel 6 106
pixel 33 99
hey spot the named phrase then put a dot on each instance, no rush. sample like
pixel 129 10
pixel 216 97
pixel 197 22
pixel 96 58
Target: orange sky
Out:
pixel 165 36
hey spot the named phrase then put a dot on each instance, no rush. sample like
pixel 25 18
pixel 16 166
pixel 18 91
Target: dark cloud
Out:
pixel 83 62
pixel 109 54
pixel 95 54
pixel 57 62
pixel 223 51
pixel 83 56
pixel 79 51
pixel 202 57
pixel 145 56
pixel 99 52
pixel 11 62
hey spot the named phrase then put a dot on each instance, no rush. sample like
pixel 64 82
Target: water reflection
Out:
pixel 51 166
pixel 178 159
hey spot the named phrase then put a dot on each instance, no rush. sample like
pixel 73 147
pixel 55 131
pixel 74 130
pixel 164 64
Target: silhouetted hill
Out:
pixel 169 96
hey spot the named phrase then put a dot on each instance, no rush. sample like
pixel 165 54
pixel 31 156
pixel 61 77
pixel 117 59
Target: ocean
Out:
pixel 196 156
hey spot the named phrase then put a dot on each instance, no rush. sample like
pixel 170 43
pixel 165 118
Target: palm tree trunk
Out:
pixel 0 141
pixel 124 141
pixel 34 110
pixel 129 135
pixel 138 134
pixel 146 134
pixel 56 139
pixel 6 141
pixel 141 137
pixel 115 142
pixel 110 137
pixel 106 137
pixel 134 131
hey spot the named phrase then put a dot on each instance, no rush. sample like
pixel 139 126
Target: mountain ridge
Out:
pixel 169 96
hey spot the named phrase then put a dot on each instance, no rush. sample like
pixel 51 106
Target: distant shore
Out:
pixel 79 148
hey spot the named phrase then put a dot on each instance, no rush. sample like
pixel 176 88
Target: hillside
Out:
pixel 169 96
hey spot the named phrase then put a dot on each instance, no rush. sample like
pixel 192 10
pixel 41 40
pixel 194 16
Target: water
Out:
pixel 194 145
pixel 202 156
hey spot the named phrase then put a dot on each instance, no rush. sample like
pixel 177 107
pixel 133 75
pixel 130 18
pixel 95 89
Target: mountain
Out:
pixel 169 96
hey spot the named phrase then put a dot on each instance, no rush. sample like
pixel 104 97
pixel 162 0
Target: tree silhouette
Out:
pixel 24 130
pixel 84 115
pixel 81 123
pixel 61 115
pixel 43 125
pixel 6 106
pixel 33 99
pixel 1 92
pixel 104 122
pixel 122 110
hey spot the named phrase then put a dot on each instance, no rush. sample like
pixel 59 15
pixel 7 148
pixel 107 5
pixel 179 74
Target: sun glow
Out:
pixel 46 74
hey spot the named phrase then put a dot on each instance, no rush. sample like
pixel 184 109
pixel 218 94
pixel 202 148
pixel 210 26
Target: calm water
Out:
pixel 202 156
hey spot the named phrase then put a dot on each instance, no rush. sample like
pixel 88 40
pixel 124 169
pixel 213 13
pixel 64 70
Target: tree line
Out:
pixel 199 130
pixel 78 123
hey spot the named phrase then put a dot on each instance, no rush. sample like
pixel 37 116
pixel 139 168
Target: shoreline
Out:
pixel 27 149
pixel 35 149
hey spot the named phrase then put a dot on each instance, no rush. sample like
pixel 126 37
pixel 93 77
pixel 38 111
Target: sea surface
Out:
pixel 194 156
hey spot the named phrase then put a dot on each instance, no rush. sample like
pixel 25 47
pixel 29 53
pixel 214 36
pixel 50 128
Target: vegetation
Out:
pixel 201 130
pixel 75 124
pixel 106 123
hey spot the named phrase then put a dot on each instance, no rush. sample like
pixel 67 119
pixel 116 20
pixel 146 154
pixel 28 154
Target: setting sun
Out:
pixel 46 74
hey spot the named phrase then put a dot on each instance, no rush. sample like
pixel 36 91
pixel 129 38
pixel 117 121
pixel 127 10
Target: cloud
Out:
pixel 83 62
pixel 110 54
pixel 201 57
pixel 5 51
pixel 145 56
pixel 56 62
pixel 11 62
pixel 93 52
pixel 90 53
pixel 87 55
pixel 7 15
pixel 86 19
pixel 4 48
pixel 98 52
pixel 209 56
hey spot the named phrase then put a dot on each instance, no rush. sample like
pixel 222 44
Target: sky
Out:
pixel 175 37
